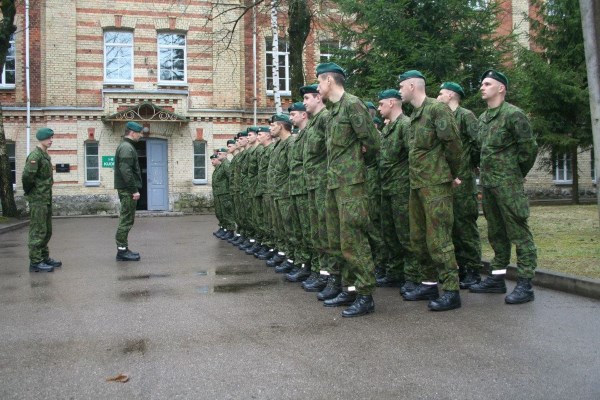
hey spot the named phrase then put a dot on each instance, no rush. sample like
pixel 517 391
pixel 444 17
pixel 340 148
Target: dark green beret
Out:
pixel 213 156
pixel 243 133
pixel 330 67
pixel 134 126
pixel 281 118
pixel 231 141
pixel 377 121
pixel 309 89
pixel 455 87
pixel 370 105
pixel 413 73
pixel 499 76
pixel 44 133
pixel 297 106
pixel 264 129
pixel 253 129
pixel 222 150
pixel 389 94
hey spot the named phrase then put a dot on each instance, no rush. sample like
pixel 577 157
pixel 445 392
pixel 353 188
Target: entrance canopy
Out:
pixel 146 112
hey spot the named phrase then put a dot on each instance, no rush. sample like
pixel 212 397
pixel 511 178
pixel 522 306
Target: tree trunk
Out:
pixel 9 207
pixel 299 18
pixel 575 169
pixel 275 30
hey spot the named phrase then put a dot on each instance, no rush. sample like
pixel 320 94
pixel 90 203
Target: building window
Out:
pixel 171 57
pixel 563 171
pixel 199 162
pixel 8 74
pixel 118 57
pixel 92 167
pixel 284 67
pixel 328 48
pixel 478 5
pixel 12 160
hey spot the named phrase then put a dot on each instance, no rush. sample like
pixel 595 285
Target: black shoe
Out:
pixel 379 271
pixel 422 292
pixel 127 255
pixel 253 249
pixel 342 299
pixel 387 281
pixel 311 278
pixel 363 305
pixel 332 289
pixel 522 293
pixel 239 240
pixel 246 244
pixel 53 263
pixel 491 284
pixel 40 267
pixel 408 286
pixel 234 239
pixel 301 275
pixel 260 250
pixel 471 278
pixel 276 260
pixel 449 301
pixel 285 267
pixel 267 256
pixel 219 233
pixel 228 235
pixel 317 285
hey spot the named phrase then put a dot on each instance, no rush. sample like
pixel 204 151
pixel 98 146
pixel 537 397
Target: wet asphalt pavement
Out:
pixel 199 319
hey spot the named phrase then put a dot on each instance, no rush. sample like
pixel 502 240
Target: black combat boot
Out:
pixel 52 262
pixel 254 248
pixel 333 288
pixel 491 284
pixel 40 267
pixel 408 286
pixel 301 275
pixel 228 235
pixel 342 299
pixel 127 255
pixel 270 253
pixel 276 260
pixel 471 277
pixel 311 278
pixel 388 281
pixel 422 292
pixel 317 285
pixel 522 293
pixel 235 239
pixel 246 244
pixel 218 232
pixel 449 301
pixel 285 266
pixel 363 305
pixel 379 271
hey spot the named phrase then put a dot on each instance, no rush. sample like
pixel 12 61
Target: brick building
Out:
pixel 96 64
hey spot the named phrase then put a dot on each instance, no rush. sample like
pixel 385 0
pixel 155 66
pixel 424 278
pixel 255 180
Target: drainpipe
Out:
pixel 27 83
pixel 255 89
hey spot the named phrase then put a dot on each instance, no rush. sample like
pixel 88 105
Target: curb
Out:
pixel 13 227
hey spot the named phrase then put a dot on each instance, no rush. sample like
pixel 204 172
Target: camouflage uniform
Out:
pixel 223 202
pixel 465 234
pixel 255 195
pixel 299 202
pixel 244 194
pixel 434 161
pixel 348 223
pixel 376 242
pixel 37 184
pixel 266 226
pixel 395 188
pixel 234 180
pixel 508 151
pixel 281 195
pixel 128 180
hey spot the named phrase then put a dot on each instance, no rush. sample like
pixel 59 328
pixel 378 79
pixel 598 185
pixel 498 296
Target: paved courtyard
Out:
pixel 198 319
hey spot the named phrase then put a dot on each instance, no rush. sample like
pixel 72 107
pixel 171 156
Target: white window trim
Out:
pixel 205 180
pixel 15 157
pixel 282 91
pixel 567 165
pixel 120 81
pixel 3 77
pixel 85 155
pixel 158 47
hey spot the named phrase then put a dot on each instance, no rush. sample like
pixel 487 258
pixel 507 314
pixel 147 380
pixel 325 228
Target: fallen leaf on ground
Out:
pixel 119 378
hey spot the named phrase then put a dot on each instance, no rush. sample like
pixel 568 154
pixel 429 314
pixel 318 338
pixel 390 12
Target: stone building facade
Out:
pixel 96 64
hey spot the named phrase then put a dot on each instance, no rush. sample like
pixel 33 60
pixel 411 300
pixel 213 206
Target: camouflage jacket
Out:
pixel 434 145
pixel 280 163
pixel 37 177
pixel 233 179
pixel 263 170
pixel 243 168
pixel 128 175
pixel 220 179
pixel 393 164
pixel 349 129
pixel 467 124
pixel 508 147
pixel 297 181
pixel 253 162
pixel 315 150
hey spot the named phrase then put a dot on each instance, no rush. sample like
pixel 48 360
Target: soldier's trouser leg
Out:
pixel 399 203
pixel 507 210
pixel 277 224
pixel 285 212
pixel 218 210
pixel 354 224
pixel 269 228
pixel 257 218
pixel 236 213
pixel 376 242
pixel 318 226
pixel 40 231
pixel 303 251
pixel 431 234
pixel 126 217
pixel 393 260
pixel 227 209
pixel 465 234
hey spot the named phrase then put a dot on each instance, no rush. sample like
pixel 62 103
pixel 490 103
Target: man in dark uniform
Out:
pixel 37 184
pixel 128 182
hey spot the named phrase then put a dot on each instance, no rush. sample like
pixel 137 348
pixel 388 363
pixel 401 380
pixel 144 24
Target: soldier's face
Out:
pixel 309 102
pixel 324 85
pixel 230 148
pixel 251 137
pixel 275 129
pixel 46 143
pixel 444 96
pixel 221 155
pixel 406 88
pixel 214 161
pixel 491 88
pixel 262 137
pixel 384 107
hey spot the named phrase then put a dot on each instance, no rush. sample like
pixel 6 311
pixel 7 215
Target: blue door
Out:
pixel 158 182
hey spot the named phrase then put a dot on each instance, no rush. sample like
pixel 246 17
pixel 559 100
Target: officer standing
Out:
pixel 508 151
pixel 221 195
pixel 37 184
pixel 128 182
pixel 434 161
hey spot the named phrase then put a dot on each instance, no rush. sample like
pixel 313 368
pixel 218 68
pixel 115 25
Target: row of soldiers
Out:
pixel 343 207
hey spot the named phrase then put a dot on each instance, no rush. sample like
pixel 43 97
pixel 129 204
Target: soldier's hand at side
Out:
pixel 456 182
pixel 136 196
pixel 363 149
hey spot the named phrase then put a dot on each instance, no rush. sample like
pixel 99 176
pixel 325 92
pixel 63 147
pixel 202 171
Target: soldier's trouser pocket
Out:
pixel 40 231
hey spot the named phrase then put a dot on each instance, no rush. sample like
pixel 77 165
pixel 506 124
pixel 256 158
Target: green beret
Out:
pixel 370 105
pixel 499 76
pixel 330 67
pixel 377 120
pixel 222 150
pixel 264 129
pixel 253 129
pixel 243 133
pixel 297 106
pixel 389 94
pixel 309 89
pixel 413 73
pixel 134 126
pixel 213 156
pixel 44 133
pixel 231 141
pixel 455 87
pixel 281 118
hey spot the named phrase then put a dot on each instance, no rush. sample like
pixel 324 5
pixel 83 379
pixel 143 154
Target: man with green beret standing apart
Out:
pixel 128 182
pixel 508 151
pixel 37 184
pixel 352 144
pixel 223 201
pixel 465 234
pixel 434 160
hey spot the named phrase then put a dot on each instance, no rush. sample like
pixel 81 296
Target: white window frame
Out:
pixel 13 56
pixel 13 158
pixel 90 182
pixel 326 57
pixel 594 180
pixel 479 5
pixel 562 167
pixel 132 45
pixel 199 181
pixel 284 91
pixel 184 48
